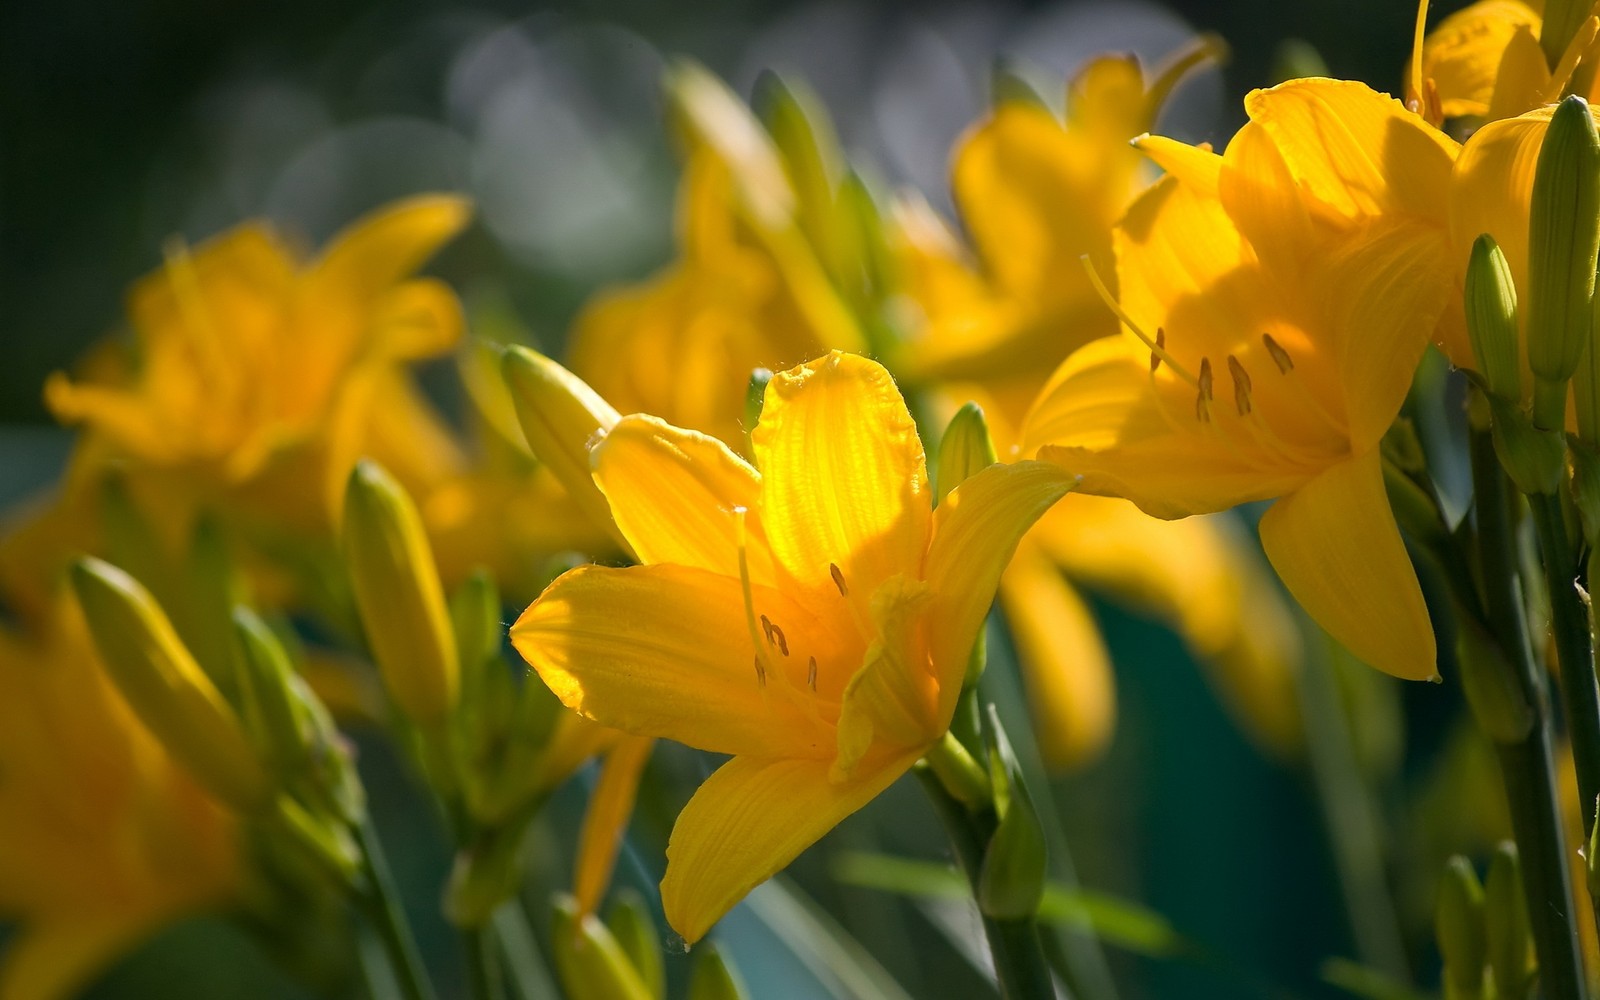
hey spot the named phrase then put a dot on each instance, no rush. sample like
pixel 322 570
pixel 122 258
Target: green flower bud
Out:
pixel 965 449
pixel 1533 457
pixel 1011 881
pixel 1458 923
pixel 631 924
pixel 702 110
pixel 560 417
pixel 755 398
pixel 399 596
pixel 809 151
pixel 166 688
pixel 1563 242
pixel 1509 938
pixel 1491 307
pixel 713 977
pixel 484 875
pixel 590 962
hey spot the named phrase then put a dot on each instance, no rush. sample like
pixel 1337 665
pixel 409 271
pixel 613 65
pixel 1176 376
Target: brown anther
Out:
pixel 1280 357
pixel 783 643
pixel 811 673
pixel 1161 342
pixel 1202 402
pixel 766 628
pixel 1241 385
pixel 761 672
pixel 838 580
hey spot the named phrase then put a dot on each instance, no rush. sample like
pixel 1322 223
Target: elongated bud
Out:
pixel 809 151
pixel 399 595
pixel 965 449
pixel 172 696
pixel 1011 882
pixel 290 723
pixel 1491 306
pixel 1458 925
pixel 1509 939
pixel 702 108
pixel 631 924
pixel 1563 238
pixel 591 964
pixel 1493 692
pixel 561 416
pixel 713 977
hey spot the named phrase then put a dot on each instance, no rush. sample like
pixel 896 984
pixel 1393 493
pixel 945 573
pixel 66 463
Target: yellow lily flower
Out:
pixel 1035 195
pixel 812 619
pixel 746 291
pixel 258 374
pixel 103 837
pixel 1485 61
pixel 1281 295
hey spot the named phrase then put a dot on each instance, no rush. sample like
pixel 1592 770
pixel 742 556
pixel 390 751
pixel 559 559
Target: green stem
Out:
pixel 1574 646
pixel 381 903
pixel 484 980
pixel 1355 831
pixel 1019 960
pixel 1527 766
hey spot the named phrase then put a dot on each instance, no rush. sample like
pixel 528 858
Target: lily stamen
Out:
pixel 762 653
pixel 1157 347
pixel 838 579
pixel 1202 401
pixel 811 674
pixel 1241 385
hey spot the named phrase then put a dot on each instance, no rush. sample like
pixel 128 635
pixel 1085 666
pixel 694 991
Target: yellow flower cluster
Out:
pixel 1153 333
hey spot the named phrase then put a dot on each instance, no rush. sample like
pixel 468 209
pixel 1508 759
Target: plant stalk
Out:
pixel 381 903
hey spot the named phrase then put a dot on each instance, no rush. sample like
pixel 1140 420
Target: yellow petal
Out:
pixel 1196 167
pixel 1063 659
pixel 1355 152
pixel 1014 165
pixel 1196 574
pixel 1336 546
pixel 975 530
pixel 1492 188
pixel 419 319
pixel 844 480
pixel 1463 54
pixel 57 958
pixel 387 245
pixel 676 495
pixel 1522 77
pixel 1101 418
pixel 606 820
pixel 665 651
pixel 1108 96
pixel 748 821
pixel 892 702
pixel 1382 295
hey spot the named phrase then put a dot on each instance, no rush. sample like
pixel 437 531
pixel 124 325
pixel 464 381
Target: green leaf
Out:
pixel 1360 981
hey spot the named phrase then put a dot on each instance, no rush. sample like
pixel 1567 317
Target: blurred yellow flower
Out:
pixel 813 619
pixel 257 379
pixel 1281 296
pixel 1485 61
pixel 103 837
pixel 747 290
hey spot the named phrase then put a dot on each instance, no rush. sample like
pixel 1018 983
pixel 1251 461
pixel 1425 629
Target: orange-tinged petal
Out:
pixel 1356 152
pixel 1196 167
pixel 665 651
pixel 1019 160
pixel 387 245
pixel 606 820
pixel 56 958
pixel 844 481
pixel 748 821
pixel 1101 417
pixel 975 530
pixel 1064 661
pixel 1196 574
pixel 1335 544
pixel 1383 294
pixel 675 494
pixel 1463 55
pixel 892 702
